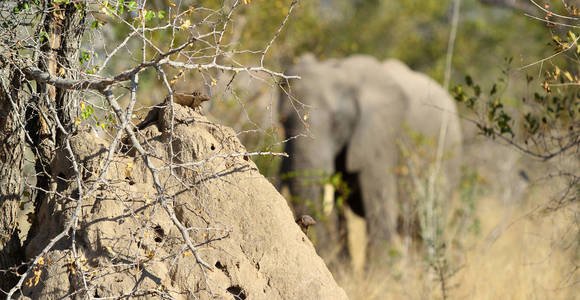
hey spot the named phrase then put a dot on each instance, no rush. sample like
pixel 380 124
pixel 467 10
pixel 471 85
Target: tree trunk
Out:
pixel 27 108
pixel 61 49
pixel 11 161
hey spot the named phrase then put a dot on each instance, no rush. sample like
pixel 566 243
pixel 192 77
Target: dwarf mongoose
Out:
pixel 193 100
pixel 304 222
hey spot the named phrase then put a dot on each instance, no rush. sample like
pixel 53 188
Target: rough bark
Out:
pixel 26 117
pixel 11 161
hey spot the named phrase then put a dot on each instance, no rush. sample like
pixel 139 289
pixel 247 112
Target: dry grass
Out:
pixel 520 253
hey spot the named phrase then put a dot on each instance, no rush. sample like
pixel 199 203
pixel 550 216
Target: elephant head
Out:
pixel 357 108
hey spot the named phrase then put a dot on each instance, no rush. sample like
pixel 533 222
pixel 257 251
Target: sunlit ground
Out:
pixel 520 253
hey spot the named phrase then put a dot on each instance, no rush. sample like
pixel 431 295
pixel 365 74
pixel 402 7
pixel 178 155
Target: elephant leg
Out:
pixel 379 198
pixel 310 162
pixel 327 234
pixel 304 174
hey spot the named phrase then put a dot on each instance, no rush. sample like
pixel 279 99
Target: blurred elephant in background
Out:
pixel 354 111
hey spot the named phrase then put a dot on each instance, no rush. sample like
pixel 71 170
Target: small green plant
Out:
pixel 341 188
pixel 318 179
pixel 543 125
pixel 88 113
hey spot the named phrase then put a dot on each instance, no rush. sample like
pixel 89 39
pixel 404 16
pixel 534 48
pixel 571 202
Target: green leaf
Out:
pixel 468 80
pixel 96 24
pixel 87 112
pixel 532 124
pixel 120 8
pixel 471 102
pixel 132 5
pixel 84 57
pixel 149 15
pixel 503 123
pixel 43 36
pixel 529 78
pixel 571 35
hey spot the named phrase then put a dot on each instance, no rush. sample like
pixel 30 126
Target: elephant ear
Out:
pixel 381 106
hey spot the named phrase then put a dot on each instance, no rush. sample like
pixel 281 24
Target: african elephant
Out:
pixel 358 109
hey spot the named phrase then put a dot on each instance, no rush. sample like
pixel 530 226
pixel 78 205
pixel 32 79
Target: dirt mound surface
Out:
pixel 126 243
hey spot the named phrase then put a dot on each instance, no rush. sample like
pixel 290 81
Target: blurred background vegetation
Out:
pixel 414 31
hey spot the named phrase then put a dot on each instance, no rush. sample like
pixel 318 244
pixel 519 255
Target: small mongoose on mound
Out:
pixel 304 222
pixel 193 100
